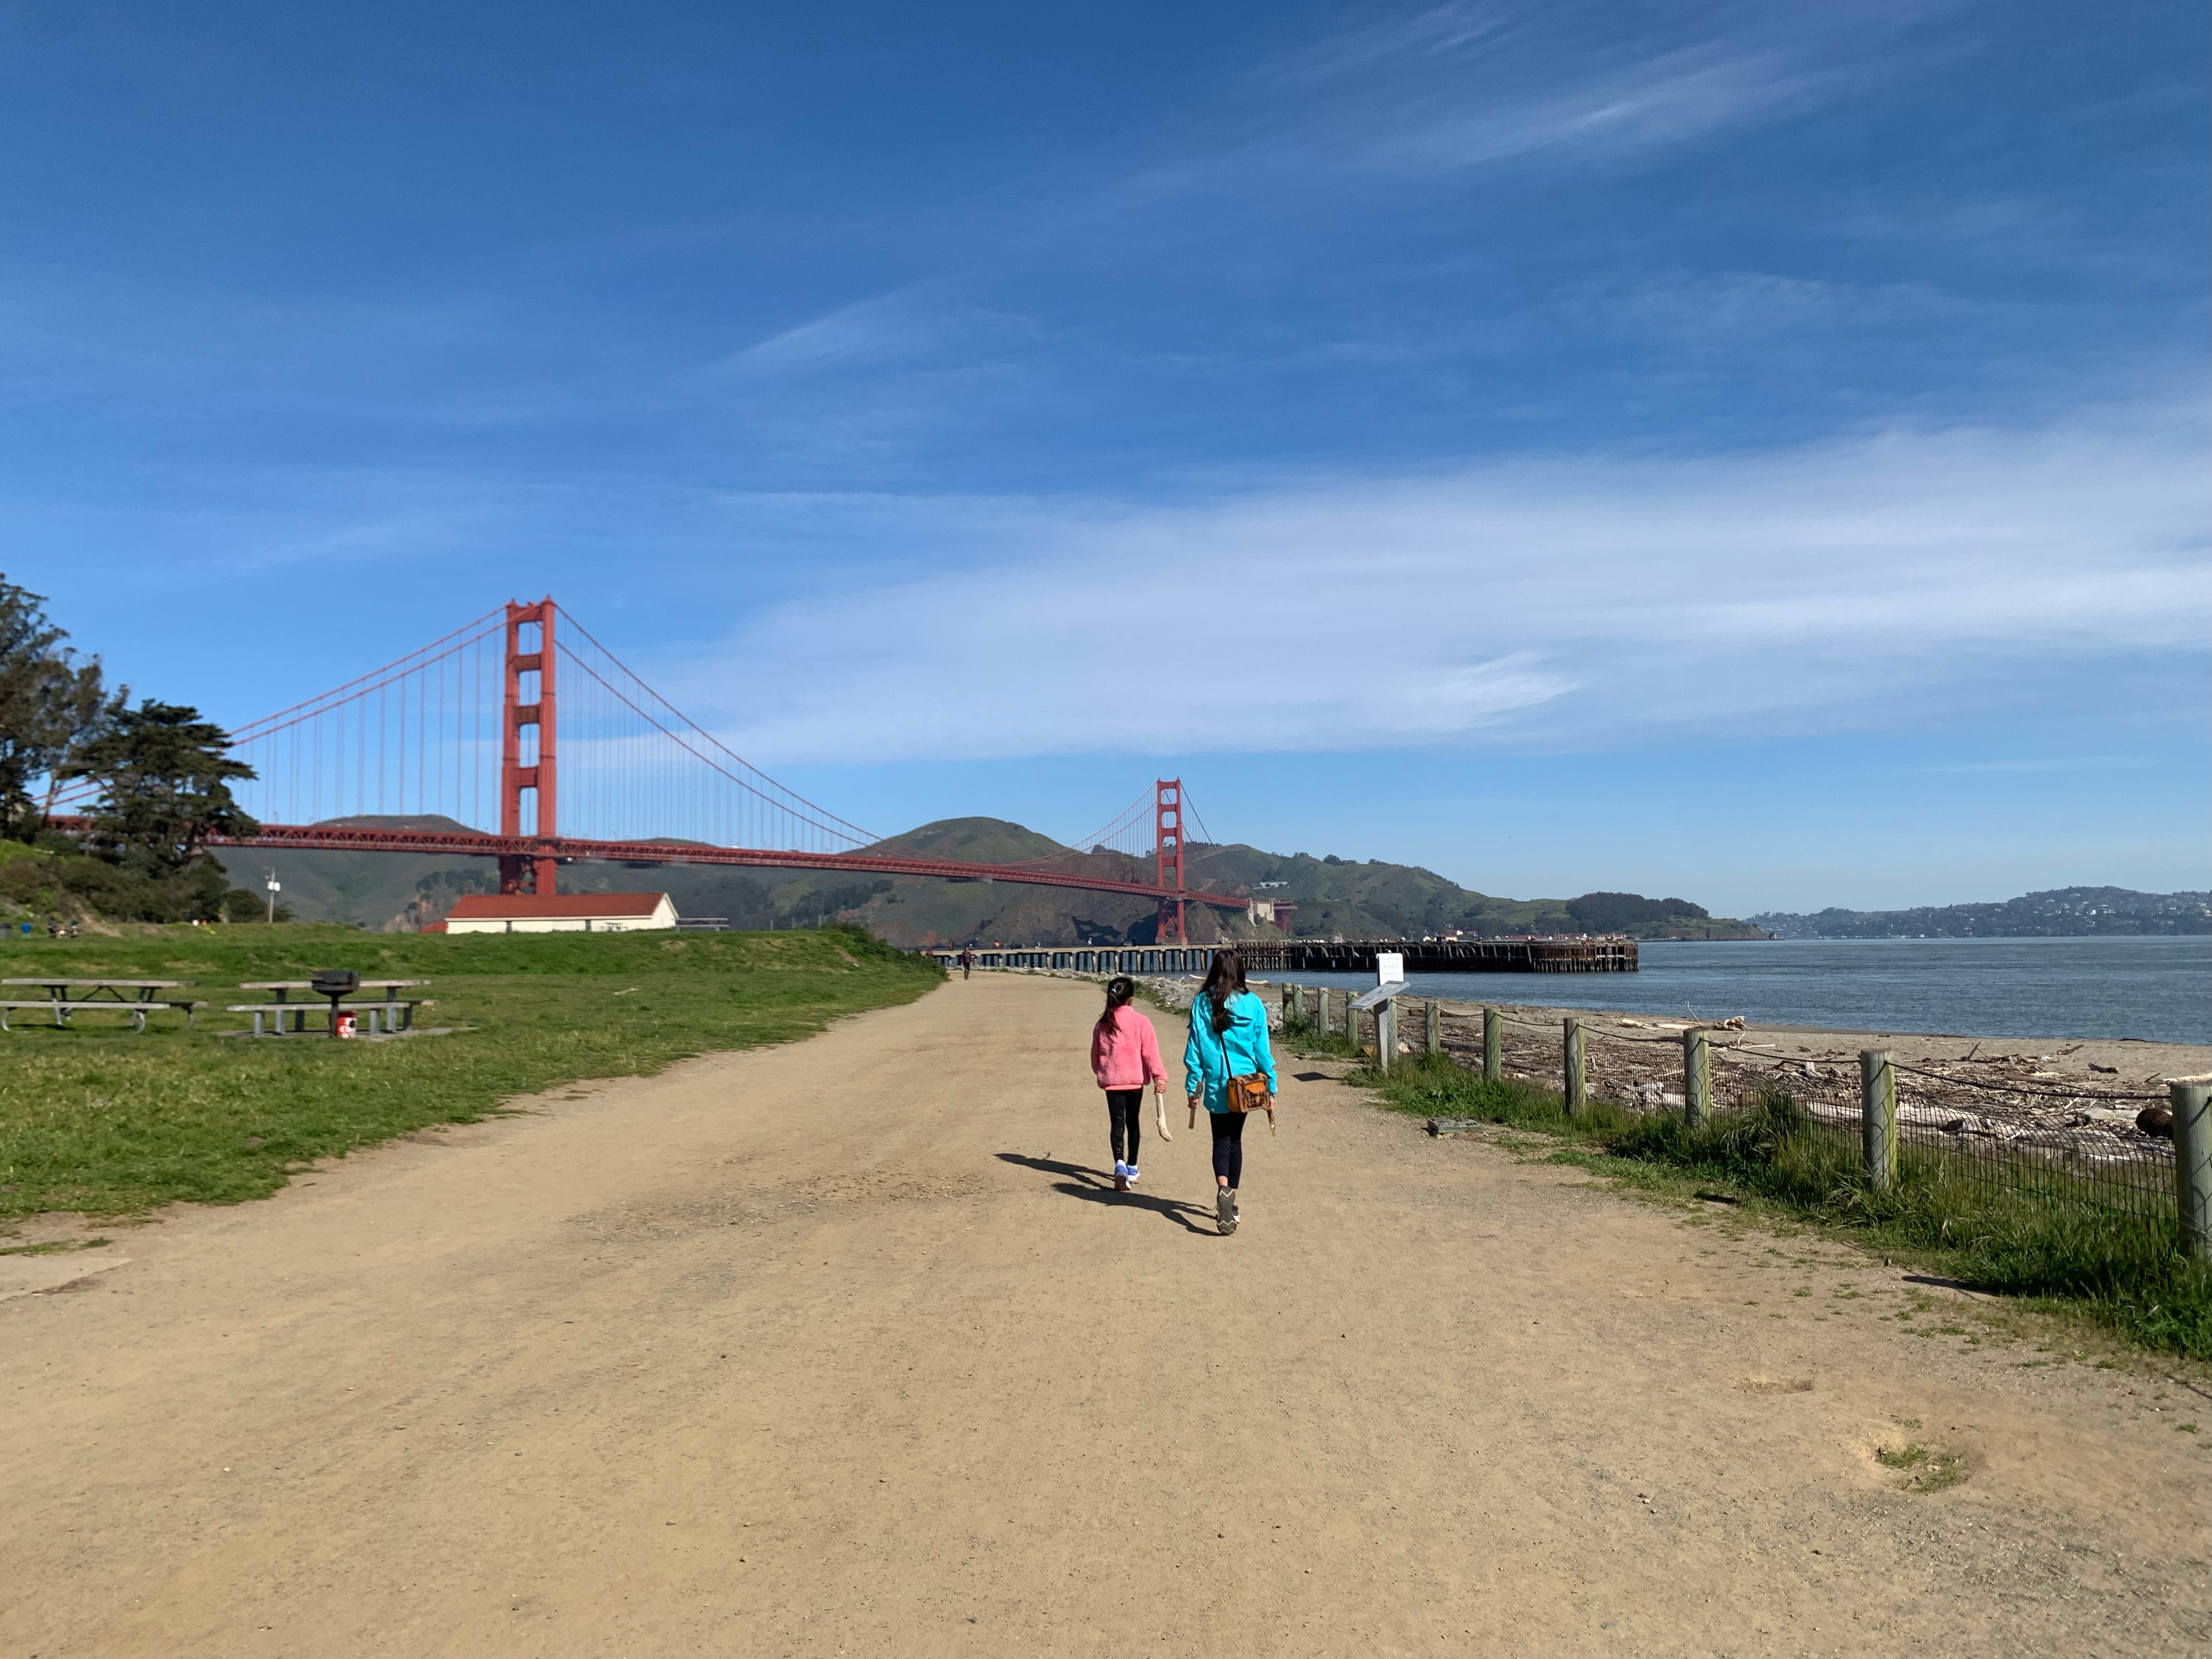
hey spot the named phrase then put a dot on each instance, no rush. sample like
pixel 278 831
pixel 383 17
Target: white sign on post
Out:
pixel 1389 968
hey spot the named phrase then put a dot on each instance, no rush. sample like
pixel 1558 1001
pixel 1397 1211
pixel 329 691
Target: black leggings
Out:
pixel 1123 1107
pixel 1229 1144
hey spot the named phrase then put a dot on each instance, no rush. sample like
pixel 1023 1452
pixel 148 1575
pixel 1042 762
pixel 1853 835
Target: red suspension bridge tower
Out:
pixel 1167 856
pixel 530 706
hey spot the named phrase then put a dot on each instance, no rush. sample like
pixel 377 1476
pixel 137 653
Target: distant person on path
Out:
pixel 967 963
pixel 1125 1055
pixel 1226 1060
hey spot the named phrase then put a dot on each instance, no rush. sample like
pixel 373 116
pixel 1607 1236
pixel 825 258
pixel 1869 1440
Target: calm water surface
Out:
pixel 2155 989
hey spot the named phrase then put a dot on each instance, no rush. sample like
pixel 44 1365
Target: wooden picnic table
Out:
pixel 58 989
pixel 398 1014
pixel 281 986
pixel 101 994
pixel 392 1005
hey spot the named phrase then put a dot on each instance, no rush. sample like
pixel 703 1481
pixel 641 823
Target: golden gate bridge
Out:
pixel 524 713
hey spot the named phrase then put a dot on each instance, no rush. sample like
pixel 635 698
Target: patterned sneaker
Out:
pixel 1224 1211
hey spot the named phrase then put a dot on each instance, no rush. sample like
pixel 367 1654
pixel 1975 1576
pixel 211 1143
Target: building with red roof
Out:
pixel 557 912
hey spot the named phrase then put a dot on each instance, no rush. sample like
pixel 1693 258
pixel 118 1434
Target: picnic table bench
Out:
pixel 102 995
pixel 395 1013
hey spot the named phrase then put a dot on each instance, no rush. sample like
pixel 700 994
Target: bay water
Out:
pixel 2159 989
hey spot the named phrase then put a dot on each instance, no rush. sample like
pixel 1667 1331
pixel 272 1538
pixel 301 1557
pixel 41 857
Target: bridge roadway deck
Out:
pixel 849 1346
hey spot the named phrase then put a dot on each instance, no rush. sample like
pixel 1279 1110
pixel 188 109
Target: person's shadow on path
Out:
pixel 1089 1185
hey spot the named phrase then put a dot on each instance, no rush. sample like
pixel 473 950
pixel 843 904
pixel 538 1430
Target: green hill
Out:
pixel 399 892
pixel 1341 898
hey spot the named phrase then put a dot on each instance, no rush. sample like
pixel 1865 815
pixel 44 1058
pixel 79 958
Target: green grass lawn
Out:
pixel 97 1119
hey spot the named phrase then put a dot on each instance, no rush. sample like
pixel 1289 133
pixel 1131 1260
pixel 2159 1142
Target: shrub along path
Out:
pixel 847 1344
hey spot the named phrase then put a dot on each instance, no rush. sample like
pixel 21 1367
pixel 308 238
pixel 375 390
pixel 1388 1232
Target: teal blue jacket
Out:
pixel 1213 1058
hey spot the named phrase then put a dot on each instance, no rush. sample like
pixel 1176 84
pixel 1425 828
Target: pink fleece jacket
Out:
pixel 1126 1053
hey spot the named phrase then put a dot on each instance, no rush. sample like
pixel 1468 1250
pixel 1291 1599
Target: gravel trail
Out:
pixel 849 1347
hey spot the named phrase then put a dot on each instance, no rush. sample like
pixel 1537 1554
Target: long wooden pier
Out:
pixel 1459 955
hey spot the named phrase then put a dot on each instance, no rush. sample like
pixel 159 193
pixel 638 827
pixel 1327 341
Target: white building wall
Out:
pixel 663 916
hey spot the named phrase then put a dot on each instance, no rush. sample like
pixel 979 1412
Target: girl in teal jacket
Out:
pixel 1228 1038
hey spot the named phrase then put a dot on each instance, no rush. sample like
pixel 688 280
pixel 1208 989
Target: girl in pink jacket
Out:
pixel 1125 1055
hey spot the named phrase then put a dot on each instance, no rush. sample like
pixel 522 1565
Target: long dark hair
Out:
pixel 1224 980
pixel 1121 990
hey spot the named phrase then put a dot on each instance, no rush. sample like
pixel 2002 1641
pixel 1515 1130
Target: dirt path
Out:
pixel 843 1348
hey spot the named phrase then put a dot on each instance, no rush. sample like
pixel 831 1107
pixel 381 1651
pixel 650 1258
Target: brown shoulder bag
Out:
pixel 1249 1093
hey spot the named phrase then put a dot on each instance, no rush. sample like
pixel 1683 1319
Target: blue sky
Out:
pixel 1743 452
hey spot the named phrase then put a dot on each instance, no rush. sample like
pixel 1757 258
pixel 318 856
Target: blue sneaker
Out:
pixel 1120 1176
pixel 1133 1174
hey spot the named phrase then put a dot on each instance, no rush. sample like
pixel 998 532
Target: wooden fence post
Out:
pixel 1352 1024
pixel 1295 1007
pixel 1493 1046
pixel 1697 1080
pixel 1432 1030
pixel 1386 1034
pixel 1878 1117
pixel 2192 1161
pixel 1573 1065
pixel 1320 1019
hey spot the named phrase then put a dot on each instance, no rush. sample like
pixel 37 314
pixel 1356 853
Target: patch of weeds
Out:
pixel 1924 1468
pixel 1305 1038
pixel 2060 1255
pixel 2185 1428
pixel 2053 1249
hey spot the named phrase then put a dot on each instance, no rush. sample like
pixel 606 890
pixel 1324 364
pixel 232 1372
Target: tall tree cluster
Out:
pixel 163 774
pixel 165 787
pixel 53 708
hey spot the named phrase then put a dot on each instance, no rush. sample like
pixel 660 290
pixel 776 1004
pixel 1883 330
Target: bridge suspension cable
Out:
pixel 417 738
pixel 634 765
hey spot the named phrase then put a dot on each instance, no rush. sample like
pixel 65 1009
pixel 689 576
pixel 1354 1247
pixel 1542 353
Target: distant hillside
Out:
pixel 1338 898
pixel 2062 912
pixel 398 891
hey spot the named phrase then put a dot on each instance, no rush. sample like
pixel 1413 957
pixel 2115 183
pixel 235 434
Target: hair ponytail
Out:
pixel 1121 991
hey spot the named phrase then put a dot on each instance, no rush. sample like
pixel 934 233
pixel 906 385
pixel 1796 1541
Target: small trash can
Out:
pixel 343 1024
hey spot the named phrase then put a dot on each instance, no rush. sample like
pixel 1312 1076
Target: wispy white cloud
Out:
pixel 904 328
pixel 1731 305
pixel 1675 99
pixel 1563 602
pixel 2052 763
pixel 1415 38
